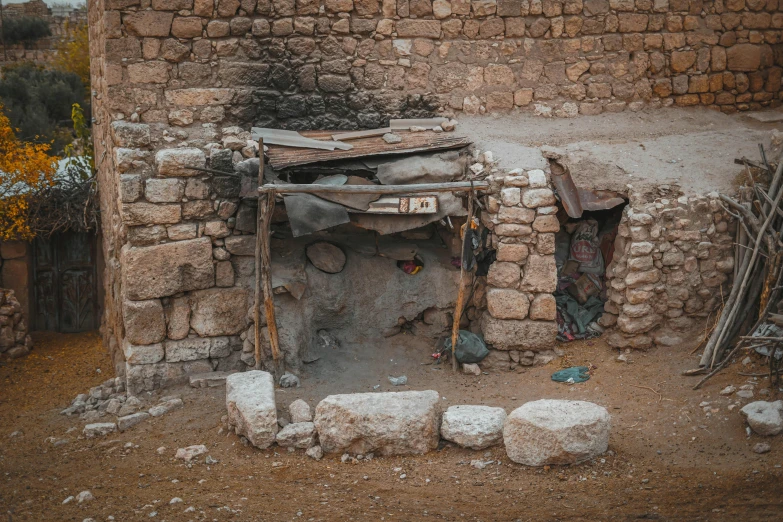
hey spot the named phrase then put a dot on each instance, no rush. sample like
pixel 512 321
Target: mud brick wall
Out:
pixel 519 321
pixel 344 63
pixel 673 264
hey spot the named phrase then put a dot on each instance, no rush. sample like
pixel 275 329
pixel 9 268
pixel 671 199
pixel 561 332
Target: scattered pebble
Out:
pixel 191 452
pixel 175 500
pixel 161 450
pixel 391 138
pixel 84 496
pixel 728 390
pixel 762 447
pixel 398 381
pixel 68 499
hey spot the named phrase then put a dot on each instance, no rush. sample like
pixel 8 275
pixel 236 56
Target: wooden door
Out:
pixel 64 283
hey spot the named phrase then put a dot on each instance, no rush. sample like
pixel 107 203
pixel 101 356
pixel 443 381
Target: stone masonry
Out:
pixel 14 339
pixel 178 83
pixel 351 63
pixel 672 266
pixel 521 311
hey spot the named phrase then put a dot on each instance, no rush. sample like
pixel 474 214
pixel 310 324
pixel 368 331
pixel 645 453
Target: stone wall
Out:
pixel 520 308
pixel 15 265
pixel 14 339
pixel 674 258
pixel 344 63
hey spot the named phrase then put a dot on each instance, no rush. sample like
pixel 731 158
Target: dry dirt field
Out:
pixel 669 459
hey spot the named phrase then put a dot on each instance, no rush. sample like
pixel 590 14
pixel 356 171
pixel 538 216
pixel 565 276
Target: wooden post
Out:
pixel 461 294
pixel 266 206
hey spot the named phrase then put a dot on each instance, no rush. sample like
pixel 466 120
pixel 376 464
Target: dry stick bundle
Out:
pixel 747 272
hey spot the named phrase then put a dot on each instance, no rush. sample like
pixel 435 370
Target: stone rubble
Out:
pixel 191 452
pixel 300 435
pixel 300 411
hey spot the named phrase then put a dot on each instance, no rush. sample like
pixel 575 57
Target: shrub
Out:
pixel 25 29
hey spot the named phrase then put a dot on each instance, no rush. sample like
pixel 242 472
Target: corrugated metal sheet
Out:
pixel 281 157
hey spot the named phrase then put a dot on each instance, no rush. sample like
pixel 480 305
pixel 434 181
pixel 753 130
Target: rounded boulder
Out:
pixel 326 257
pixel 547 432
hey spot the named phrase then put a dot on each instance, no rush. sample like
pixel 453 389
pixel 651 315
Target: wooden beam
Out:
pixel 266 206
pixel 456 186
pixel 461 294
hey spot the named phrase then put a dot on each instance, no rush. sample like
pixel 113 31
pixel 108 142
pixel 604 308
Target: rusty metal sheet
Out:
pixel 282 157
pixel 577 200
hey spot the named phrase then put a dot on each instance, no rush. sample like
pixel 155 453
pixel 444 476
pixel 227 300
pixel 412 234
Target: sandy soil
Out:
pixel 668 459
pixel 642 149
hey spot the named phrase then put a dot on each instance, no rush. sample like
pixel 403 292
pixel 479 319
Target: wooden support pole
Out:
pixel 461 294
pixel 266 206
pixel 456 186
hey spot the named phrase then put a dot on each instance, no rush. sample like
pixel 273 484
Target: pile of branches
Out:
pixel 757 274
pixel 69 204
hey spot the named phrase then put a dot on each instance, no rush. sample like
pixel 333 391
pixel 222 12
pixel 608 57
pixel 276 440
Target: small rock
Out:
pixel 161 450
pixel 128 421
pixel 624 358
pixel 299 435
pixel 480 464
pixel 398 381
pixel 315 452
pixel 471 369
pixel 300 411
pixel 84 496
pixel 449 125
pixel 745 394
pixel 762 447
pixel 391 138
pixel 191 452
pixel 289 380
pixel 477 168
pixel 728 390
pixel 175 500
pixel 416 128
pixel 437 129
pixel 746 361
pixel 210 460
pixel 165 407
pixel 99 429
pixel 67 500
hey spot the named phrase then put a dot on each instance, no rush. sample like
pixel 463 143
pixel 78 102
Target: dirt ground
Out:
pixel 669 458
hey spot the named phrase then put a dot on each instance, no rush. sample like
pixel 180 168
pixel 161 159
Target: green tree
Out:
pixel 25 29
pixel 38 102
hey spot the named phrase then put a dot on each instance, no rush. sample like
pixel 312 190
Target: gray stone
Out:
pixel 174 162
pixel 130 135
pixel 190 349
pixel 761 448
pixel 164 270
pixel 474 427
pixel 547 432
pixel 99 429
pixel 219 311
pixel 250 400
pixel 391 138
pixel 209 379
pixel 401 423
pixel 165 407
pixel 299 435
pixel 512 334
pixel 326 257
pixel 191 452
pixel 300 411
pixel 128 421
pixel 289 380
pixel 143 321
pixel 764 418
pixel 315 452
pixel 471 369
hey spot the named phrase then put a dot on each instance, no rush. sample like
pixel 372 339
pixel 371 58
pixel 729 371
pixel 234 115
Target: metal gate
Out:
pixel 64 283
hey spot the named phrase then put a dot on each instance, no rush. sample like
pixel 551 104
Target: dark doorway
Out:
pixel 65 297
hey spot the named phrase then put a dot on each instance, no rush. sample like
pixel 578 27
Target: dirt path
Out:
pixel 668 459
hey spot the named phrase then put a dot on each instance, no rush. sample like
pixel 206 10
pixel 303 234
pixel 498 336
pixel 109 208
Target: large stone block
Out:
pixel 547 432
pixel 401 423
pixel 299 435
pixel 474 427
pixel 145 377
pixel 130 135
pixel 408 28
pixel 164 270
pixel 150 214
pixel 148 23
pixel 190 349
pixel 540 274
pixel 743 57
pixel 174 162
pixel 149 354
pixel 250 400
pixel 512 334
pixel 506 303
pixel 143 321
pixel 219 311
